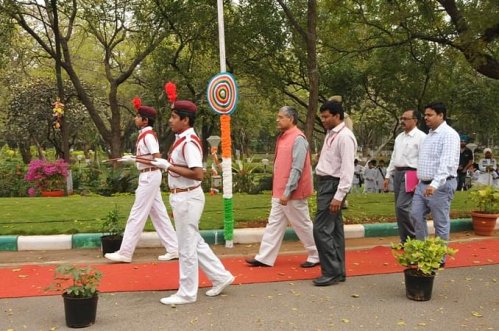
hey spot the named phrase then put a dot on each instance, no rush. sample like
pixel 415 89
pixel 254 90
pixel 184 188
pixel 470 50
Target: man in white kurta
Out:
pixel 185 173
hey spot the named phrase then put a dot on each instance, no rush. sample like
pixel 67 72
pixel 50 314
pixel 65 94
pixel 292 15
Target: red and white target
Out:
pixel 222 93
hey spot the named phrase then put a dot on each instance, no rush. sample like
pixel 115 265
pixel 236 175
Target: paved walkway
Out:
pixel 463 299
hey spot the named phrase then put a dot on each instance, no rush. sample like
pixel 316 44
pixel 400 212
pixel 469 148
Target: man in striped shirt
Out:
pixel 437 171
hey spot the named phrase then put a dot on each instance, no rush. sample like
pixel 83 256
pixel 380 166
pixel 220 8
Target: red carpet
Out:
pixel 31 280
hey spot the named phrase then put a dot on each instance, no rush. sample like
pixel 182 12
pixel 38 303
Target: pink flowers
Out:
pixel 46 175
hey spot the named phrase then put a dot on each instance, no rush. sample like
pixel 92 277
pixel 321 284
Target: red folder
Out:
pixel 411 180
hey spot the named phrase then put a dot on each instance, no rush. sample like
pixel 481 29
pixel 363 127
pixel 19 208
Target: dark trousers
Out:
pixel 461 178
pixel 329 234
pixel 403 205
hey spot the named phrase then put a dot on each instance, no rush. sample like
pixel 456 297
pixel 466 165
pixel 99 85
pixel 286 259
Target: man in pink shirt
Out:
pixel 334 172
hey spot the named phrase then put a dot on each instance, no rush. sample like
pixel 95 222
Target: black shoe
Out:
pixel 327 281
pixel 256 263
pixel 307 264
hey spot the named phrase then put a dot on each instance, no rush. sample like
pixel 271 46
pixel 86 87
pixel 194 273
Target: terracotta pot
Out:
pixel 484 224
pixel 57 193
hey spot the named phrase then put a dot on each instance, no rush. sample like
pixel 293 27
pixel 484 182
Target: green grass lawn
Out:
pixel 84 214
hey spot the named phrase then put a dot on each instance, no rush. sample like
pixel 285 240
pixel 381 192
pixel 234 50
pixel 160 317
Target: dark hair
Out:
pixel 184 113
pixel 438 107
pixel 150 121
pixel 291 113
pixel 415 114
pixel 334 108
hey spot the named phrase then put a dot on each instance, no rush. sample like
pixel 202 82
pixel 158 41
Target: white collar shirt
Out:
pixel 337 158
pixel 406 150
pixel 146 147
pixel 186 154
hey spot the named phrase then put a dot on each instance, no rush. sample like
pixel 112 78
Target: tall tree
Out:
pixel 126 32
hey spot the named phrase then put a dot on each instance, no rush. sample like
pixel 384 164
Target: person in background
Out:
pixel 358 177
pixel 488 168
pixel 403 164
pixel 438 161
pixel 334 172
pixel 185 174
pixel 291 187
pixel 380 179
pixel 371 177
pixel 465 162
pixel 148 199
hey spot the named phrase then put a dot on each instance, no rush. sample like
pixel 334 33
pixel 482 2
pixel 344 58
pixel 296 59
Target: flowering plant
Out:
pixel 46 175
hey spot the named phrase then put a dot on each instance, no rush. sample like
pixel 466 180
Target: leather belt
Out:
pixel 148 169
pixel 427 182
pixel 404 168
pixel 187 189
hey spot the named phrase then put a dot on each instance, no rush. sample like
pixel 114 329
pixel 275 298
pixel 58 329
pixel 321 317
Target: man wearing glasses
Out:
pixel 403 169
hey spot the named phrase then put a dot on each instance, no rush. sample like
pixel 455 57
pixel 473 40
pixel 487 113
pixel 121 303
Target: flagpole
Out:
pixel 226 143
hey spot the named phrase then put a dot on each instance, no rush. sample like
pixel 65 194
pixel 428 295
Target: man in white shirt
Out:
pixel 438 161
pixel 404 160
pixel 334 172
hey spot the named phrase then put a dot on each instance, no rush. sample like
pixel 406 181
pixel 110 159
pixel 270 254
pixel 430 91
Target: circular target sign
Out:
pixel 222 93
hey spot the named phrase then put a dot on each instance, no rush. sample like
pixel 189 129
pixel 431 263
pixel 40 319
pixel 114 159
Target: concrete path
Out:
pixel 463 299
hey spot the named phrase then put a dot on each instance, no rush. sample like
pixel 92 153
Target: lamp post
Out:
pixel 265 163
pixel 472 147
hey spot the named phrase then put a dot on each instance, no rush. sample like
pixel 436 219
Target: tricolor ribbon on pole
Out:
pixel 222 95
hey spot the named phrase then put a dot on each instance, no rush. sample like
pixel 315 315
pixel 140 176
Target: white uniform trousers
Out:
pixel 295 213
pixel 148 202
pixel 193 251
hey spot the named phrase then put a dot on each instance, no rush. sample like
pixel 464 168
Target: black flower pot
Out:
pixel 110 244
pixel 418 287
pixel 80 312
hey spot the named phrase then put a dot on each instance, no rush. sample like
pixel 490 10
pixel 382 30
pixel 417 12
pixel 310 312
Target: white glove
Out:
pixel 128 159
pixel 161 163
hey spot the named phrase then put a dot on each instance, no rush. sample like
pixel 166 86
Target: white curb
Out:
pixel 41 243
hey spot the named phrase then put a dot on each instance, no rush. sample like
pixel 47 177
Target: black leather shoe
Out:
pixel 256 263
pixel 327 281
pixel 307 264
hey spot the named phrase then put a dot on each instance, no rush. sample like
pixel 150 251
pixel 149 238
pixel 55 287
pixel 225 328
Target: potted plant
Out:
pixel 422 258
pixel 486 199
pixel 79 291
pixel 47 177
pixel 113 232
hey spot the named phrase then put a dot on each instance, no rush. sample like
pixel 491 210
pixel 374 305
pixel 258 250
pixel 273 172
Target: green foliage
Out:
pixel 423 255
pixel 12 183
pixel 112 224
pixel 486 198
pixel 243 177
pixel 119 180
pixel 81 282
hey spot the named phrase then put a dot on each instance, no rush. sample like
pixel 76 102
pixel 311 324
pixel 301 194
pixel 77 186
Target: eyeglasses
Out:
pixel 407 118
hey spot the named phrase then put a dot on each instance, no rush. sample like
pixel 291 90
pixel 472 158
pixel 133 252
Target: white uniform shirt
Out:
pixel 337 158
pixel 405 150
pixel 146 147
pixel 186 154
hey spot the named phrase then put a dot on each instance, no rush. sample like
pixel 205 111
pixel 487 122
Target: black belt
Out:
pixel 404 168
pixel 322 178
pixel 426 182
